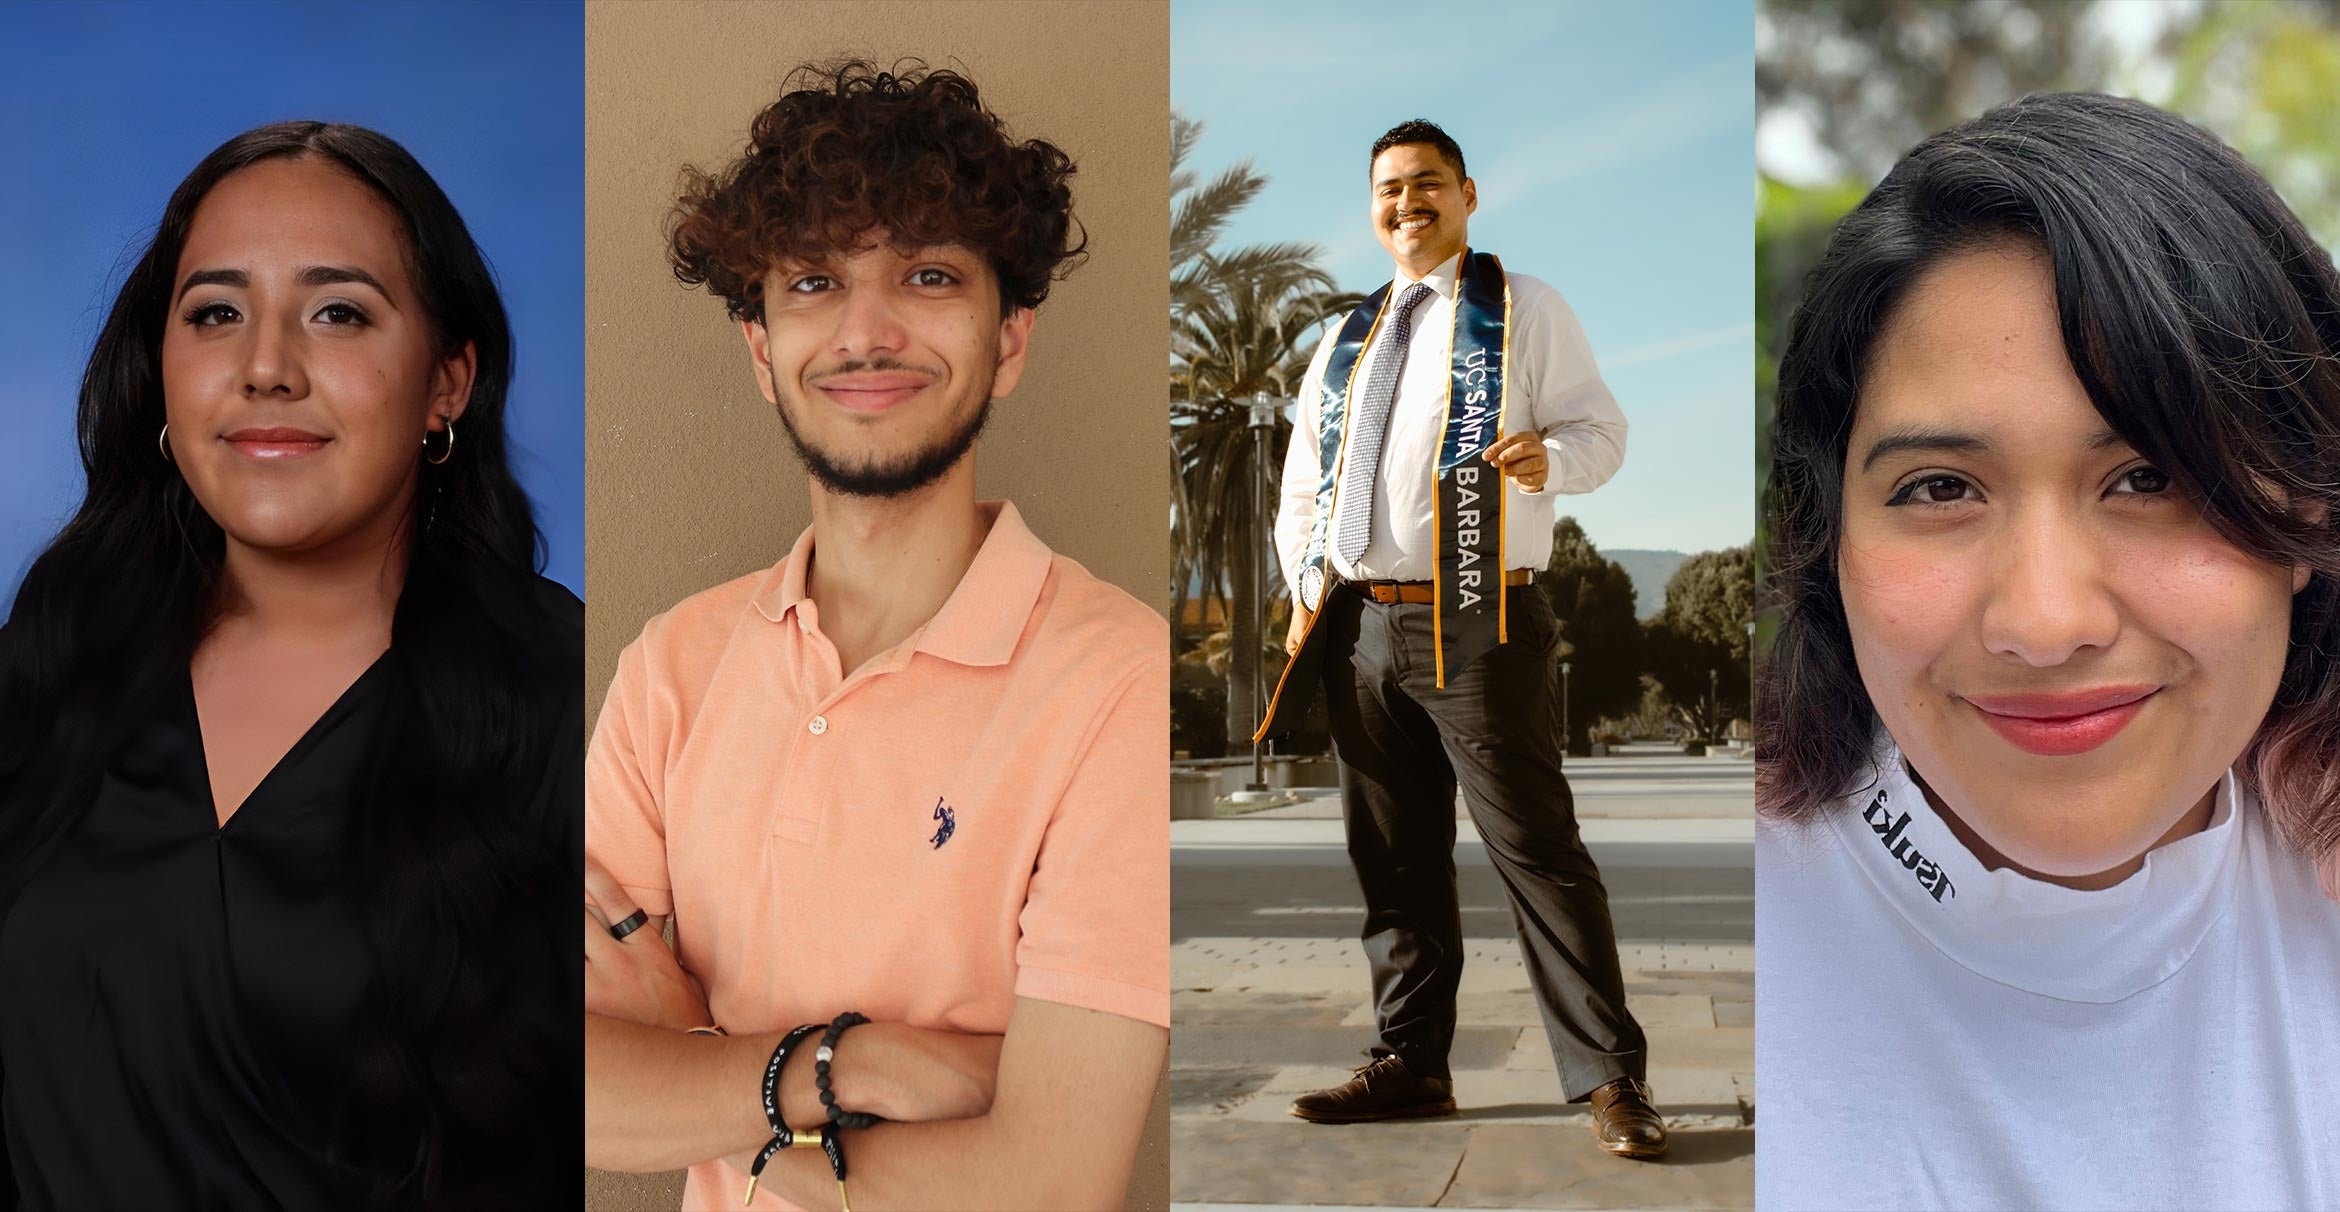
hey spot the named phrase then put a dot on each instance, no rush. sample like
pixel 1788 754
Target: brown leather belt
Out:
pixel 1419 593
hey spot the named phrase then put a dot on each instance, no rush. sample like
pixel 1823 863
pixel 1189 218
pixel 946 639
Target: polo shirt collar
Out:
pixel 783 587
pixel 983 619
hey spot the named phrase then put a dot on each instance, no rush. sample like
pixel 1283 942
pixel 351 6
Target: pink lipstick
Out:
pixel 275 442
pixel 2065 723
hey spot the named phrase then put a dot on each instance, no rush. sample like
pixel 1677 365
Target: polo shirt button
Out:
pixel 819 725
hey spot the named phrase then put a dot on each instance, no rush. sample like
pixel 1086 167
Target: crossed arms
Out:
pixel 1047 1116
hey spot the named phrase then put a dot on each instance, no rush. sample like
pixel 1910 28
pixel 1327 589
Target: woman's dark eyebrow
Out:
pixel 1924 439
pixel 335 275
pixel 213 277
pixel 314 275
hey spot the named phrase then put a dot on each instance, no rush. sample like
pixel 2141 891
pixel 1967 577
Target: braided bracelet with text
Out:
pixel 782 1136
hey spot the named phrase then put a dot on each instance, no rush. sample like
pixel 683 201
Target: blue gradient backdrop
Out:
pixel 110 104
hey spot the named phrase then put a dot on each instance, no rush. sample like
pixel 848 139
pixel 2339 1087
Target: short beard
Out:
pixel 880 480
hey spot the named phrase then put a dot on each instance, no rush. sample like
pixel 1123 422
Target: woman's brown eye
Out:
pixel 2147 480
pixel 1932 490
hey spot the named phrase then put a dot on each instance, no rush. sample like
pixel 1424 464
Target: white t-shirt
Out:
pixel 1933 1034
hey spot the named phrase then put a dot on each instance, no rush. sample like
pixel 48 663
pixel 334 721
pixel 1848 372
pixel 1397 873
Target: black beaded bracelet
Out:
pixel 821 1059
pixel 783 1137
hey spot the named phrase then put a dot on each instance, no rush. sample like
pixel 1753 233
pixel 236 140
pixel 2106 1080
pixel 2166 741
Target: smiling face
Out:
pixel 883 362
pixel 298 372
pixel 2067 652
pixel 1421 206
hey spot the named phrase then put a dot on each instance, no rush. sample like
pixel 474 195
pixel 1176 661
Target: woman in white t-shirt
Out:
pixel 2049 745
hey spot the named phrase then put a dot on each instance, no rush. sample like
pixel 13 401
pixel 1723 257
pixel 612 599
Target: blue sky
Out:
pixel 112 103
pixel 1613 148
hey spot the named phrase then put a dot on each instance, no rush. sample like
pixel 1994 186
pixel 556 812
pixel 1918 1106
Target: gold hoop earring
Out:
pixel 444 455
pixel 162 442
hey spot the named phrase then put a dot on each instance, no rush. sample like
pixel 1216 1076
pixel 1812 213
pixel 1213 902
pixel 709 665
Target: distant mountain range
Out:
pixel 1650 571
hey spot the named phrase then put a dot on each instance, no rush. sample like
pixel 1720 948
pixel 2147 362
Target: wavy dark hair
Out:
pixel 1420 130
pixel 452 1060
pixel 849 149
pixel 2204 323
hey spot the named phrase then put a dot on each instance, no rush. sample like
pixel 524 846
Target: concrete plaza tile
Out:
pixel 1350 979
pixel 1717 984
pixel 1517 1008
pixel 1272 1102
pixel 1299 1079
pixel 1734 1012
pixel 1559 1166
pixel 1727 1049
pixel 1233 1007
pixel 1699 1092
pixel 1525 1095
pixel 1287 979
pixel 1657 1011
pixel 1688 1097
pixel 1210 1046
pixel 1214 1091
pixel 1477 1008
pixel 1673 955
pixel 1403 1164
pixel 1490 978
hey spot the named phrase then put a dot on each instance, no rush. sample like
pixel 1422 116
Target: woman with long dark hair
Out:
pixel 2049 742
pixel 290 729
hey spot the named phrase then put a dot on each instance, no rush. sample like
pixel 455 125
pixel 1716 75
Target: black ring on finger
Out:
pixel 632 922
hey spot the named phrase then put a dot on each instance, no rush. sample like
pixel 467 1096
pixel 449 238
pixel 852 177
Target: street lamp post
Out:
pixel 1750 675
pixel 1264 408
pixel 1567 738
pixel 1713 703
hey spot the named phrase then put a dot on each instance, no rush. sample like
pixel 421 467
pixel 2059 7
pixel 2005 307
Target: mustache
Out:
pixel 864 365
pixel 1417 213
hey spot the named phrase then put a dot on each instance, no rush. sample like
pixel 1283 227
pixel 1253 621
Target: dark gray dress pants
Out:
pixel 1403 745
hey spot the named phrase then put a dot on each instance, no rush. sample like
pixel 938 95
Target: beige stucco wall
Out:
pixel 690 481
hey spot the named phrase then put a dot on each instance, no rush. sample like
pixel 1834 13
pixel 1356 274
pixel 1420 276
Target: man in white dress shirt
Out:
pixel 1380 555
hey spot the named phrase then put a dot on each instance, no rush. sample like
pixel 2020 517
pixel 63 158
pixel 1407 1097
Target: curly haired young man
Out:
pixel 916 770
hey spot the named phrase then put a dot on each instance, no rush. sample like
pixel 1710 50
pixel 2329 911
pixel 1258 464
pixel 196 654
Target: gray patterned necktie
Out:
pixel 1369 417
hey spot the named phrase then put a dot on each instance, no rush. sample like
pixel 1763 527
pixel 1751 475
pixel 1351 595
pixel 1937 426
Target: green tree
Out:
pixel 1872 78
pixel 2266 77
pixel 1200 211
pixel 1601 637
pixel 1242 325
pixel 1697 647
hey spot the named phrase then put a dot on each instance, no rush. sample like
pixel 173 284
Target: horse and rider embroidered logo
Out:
pixel 949 825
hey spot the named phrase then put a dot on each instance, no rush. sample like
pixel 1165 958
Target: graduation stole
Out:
pixel 1470 618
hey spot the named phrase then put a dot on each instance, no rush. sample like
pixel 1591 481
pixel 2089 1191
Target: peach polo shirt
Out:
pixel 979 814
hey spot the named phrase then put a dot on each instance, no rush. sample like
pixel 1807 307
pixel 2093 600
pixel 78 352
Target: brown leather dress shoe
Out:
pixel 1625 1122
pixel 1382 1089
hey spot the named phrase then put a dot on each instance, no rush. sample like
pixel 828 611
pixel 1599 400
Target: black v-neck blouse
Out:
pixel 180 995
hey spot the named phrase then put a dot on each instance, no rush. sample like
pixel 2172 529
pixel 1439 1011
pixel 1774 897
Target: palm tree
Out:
pixel 1242 323
pixel 1202 212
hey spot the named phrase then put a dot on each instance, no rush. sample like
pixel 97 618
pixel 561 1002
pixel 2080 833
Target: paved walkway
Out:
pixel 1270 998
